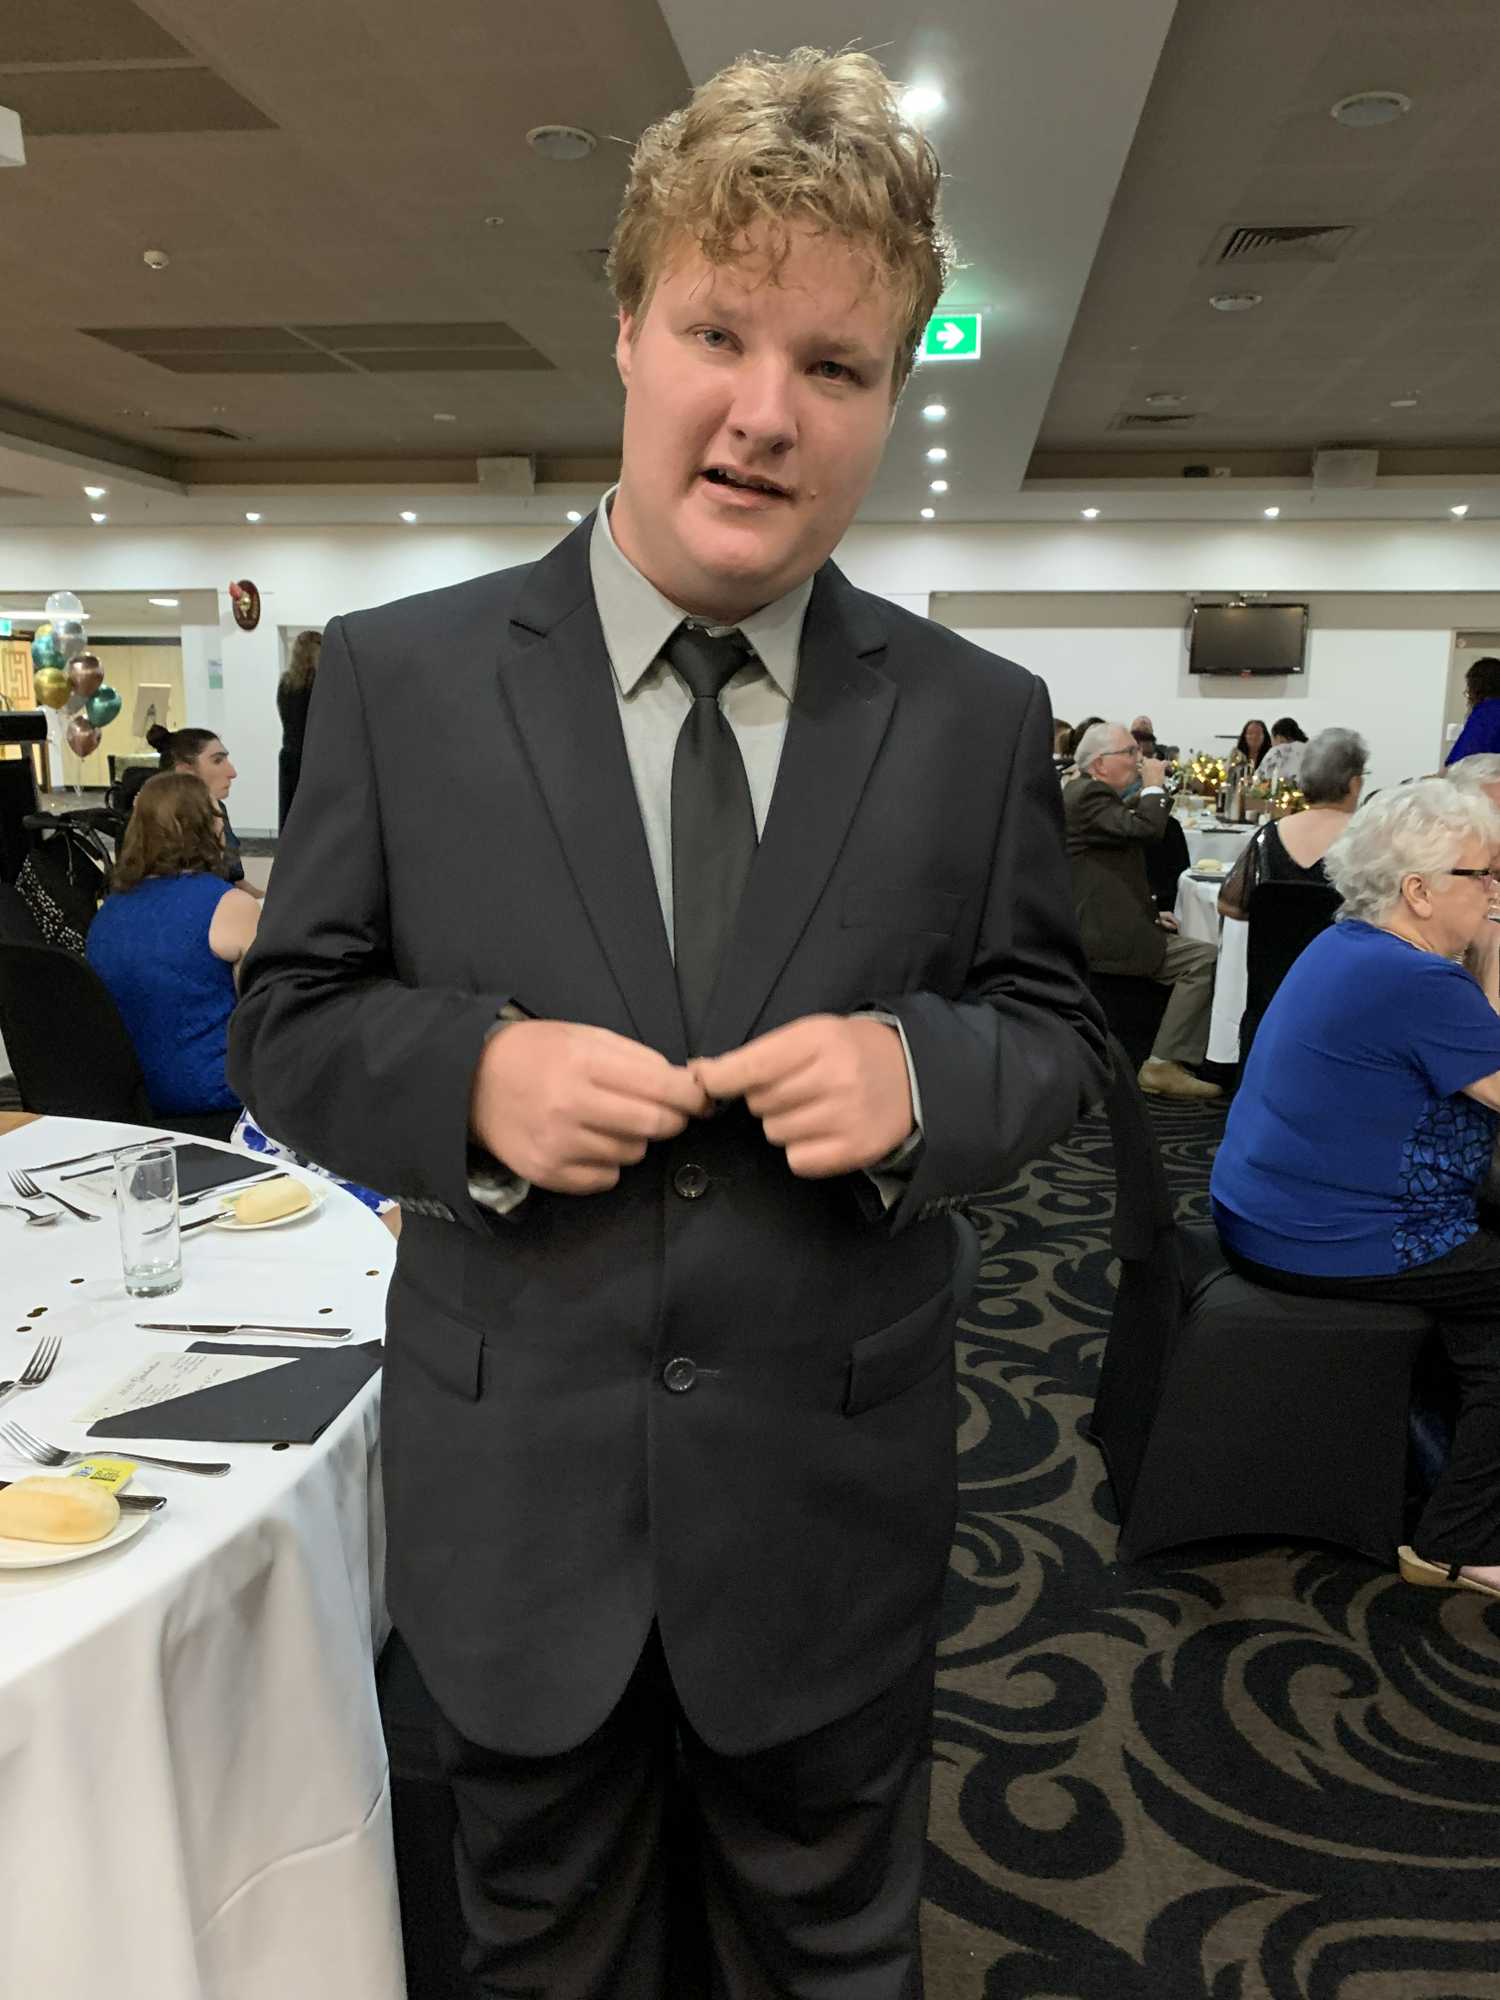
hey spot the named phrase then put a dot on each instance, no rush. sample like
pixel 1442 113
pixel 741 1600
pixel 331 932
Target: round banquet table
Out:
pixel 1197 914
pixel 1215 843
pixel 196 1794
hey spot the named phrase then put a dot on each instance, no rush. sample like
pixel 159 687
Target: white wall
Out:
pixel 1378 664
pixel 1379 658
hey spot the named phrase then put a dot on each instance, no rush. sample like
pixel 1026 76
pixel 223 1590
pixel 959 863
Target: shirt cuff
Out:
pixel 889 1175
pixel 1152 792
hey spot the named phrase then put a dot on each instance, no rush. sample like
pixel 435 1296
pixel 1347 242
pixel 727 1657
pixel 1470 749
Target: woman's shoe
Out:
pixel 1438 1576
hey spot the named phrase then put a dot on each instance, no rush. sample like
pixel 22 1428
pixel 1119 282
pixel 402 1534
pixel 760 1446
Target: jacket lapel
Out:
pixel 560 688
pixel 838 721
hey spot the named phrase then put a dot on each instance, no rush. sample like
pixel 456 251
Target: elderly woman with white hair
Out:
pixel 1361 1133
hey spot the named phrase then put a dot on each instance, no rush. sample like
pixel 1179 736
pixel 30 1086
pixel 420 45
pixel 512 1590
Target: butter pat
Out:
pixel 49 1508
pixel 269 1199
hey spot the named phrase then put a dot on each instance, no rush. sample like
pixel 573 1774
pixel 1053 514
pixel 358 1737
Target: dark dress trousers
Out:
pixel 717 1398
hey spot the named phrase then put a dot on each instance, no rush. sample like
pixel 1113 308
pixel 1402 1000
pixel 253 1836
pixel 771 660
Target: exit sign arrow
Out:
pixel 952 336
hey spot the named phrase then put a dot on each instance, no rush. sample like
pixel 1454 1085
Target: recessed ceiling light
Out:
pixel 1235 302
pixel 929 513
pixel 934 412
pixel 1164 399
pixel 561 142
pixel 1404 402
pixel 1090 513
pixel 938 486
pixel 444 417
pixel 574 515
pixel 1370 107
pixel 252 517
pixel 95 492
pixel 1457 512
pixel 921 101
pixel 494 222
pixel 1271 513
pixel 408 516
pixel 99 519
pixel 166 603
pixel 937 453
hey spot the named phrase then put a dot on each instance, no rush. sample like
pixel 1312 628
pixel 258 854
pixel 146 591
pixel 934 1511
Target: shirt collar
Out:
pixel 638 620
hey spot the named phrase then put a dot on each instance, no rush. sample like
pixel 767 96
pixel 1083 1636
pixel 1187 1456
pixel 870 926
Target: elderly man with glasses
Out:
pixel 1115 809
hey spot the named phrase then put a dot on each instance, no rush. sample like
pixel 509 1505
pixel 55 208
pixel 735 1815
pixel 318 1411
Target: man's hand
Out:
pixel 1165 921
pixel 832 1092
pixel 1153 770
pixel 565 1106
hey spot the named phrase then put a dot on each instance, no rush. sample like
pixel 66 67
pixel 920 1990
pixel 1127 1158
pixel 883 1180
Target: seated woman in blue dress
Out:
pixel 1361 1133
pixel 167 940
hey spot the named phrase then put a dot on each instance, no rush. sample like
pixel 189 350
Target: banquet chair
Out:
pixel 69 1050
pixel 1225 1409
pixel 1283 918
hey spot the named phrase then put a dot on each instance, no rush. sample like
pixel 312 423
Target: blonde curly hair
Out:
pixel 809 139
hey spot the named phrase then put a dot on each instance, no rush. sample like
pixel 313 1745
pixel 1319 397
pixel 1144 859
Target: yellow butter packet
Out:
pixel 110 1473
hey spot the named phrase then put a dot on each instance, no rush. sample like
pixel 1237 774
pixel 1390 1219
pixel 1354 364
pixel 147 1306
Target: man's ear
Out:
pixel 624 351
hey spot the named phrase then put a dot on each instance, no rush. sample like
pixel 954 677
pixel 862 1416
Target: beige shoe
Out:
pixel 1169 1079
pixel 1437 1576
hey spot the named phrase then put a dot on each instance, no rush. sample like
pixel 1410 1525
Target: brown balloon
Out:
pixel 83 737
pixel 84 674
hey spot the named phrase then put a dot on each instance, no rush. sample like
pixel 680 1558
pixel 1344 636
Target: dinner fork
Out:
pixel 31 1190
pixel 21 1440
pixel 38 1368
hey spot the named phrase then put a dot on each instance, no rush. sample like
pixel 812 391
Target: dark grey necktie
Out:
pixel 713 820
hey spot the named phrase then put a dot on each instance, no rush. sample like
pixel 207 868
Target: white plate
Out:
pixel 16 1554
pixel 235 1228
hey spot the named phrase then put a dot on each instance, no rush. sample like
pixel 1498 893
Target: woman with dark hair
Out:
pixel 1284 758
pixel 293 694
pixel 201 754
pixel 1481 732
pixel 167 940
pixel 1255 741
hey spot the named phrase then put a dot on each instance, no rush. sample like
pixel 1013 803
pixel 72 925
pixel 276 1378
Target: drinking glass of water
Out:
pixel 146 1196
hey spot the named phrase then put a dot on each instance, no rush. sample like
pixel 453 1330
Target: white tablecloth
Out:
pixel 1215 843
pixel 1197 914
pixel 196 1803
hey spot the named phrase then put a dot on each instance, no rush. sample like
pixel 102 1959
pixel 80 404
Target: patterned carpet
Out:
pixel 1238 1772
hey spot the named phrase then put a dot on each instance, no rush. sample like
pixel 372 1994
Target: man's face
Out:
pixel 1120 767
pixel 756 412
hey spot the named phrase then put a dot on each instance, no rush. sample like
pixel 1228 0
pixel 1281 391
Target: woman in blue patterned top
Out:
pixel 1361 1133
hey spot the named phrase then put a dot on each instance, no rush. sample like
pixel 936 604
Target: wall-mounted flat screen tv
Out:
pixel 1255 638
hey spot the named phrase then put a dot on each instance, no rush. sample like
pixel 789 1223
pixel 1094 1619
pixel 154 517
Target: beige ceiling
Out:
pixel 1237 132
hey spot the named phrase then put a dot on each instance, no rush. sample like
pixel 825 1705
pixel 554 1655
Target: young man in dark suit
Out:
pixel 680 1045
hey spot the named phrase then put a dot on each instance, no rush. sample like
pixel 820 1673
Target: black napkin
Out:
pixel 290 1405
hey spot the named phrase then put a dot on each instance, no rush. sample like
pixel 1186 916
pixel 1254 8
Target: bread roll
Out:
pixel 268 1199
pixel 50 1508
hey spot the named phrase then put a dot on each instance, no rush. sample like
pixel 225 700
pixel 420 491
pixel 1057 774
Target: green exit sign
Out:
pixel 5 628
pixel 952 337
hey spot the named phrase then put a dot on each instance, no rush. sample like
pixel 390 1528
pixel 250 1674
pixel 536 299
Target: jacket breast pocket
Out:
pixel 897 1357
pixel 897 906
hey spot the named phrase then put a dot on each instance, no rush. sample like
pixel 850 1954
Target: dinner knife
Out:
pixel 240 1326
pixel 130 1503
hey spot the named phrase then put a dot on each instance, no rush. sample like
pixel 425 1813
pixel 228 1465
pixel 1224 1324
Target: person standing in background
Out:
pixel 293 695
pixel 1481 732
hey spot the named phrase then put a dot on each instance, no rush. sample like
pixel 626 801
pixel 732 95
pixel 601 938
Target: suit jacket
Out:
pixel 718 1395
pixel 1107 842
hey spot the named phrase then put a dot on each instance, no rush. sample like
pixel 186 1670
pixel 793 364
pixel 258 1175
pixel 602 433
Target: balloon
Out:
pixel 51 686
pixel 63 604
pixel 104 706
pixel 70 636
pixel 83 737
pixel 84 674
pixel 46 649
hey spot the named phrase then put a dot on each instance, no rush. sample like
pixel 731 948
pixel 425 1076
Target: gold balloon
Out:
pixel 83 737
pixel 84 674
pixel 51 686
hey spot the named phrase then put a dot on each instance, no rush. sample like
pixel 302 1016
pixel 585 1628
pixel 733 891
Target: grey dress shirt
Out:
pixel 637 622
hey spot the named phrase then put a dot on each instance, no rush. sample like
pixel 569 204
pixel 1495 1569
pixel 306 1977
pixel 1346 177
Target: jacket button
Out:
pixel 690 1182
pixel 679 1375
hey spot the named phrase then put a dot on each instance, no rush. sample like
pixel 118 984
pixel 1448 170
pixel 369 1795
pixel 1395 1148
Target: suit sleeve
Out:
pixel 331 1051
pixel 1104 819
pixel 1007 1067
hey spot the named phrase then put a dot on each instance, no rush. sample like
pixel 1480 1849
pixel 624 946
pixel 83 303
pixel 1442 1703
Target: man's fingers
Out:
pixel 630 1070
pixel 768 1060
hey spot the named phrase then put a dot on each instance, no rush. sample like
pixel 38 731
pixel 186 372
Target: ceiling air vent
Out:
pixel 1283 243
pixel 1135 420
pixel 206 431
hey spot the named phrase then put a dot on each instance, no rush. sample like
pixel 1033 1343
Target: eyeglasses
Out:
pixel 1491 875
